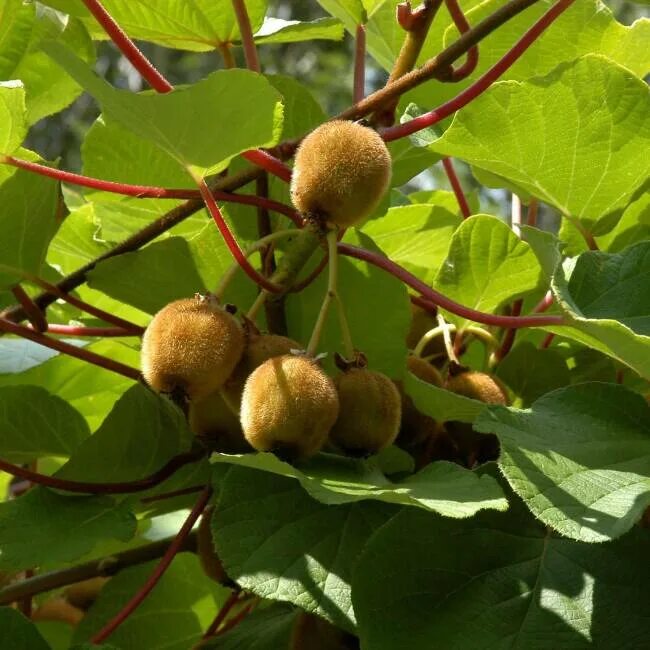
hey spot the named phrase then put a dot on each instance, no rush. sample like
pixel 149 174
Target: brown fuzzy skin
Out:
pixel 214 421
pixel 311 632
pixel 475 447
pixel 58 609
pixel 83 594
pixel 260 348
pixel 370 412
pixel 342 169
pixel 417 427
pixel 210 562
pixel 191 346
pixel 288 407
pixel 421 322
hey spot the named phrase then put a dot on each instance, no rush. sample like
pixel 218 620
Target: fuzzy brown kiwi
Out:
pixel 260 348
pixel 58 609
pixel 217 425
pixel 210 561
pixel 342 169
pixel 475 447
pixel 421 322
pixel 311 632
pixel 369 414
pixel 83 594
pixel 191 346
pixel 288 407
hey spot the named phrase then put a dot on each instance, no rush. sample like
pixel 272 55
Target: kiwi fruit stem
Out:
pixel 258 303
pixel 478 332
pixel 259 244
pixel 331 294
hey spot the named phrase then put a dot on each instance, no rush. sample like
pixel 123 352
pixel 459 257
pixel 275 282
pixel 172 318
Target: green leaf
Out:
pixel 172 617
pixel 633 227
pixel 35 529
pixel 487 266
pixel 13 126
pixel 28 221
pixel 48 88
pixel 415 236
pixel 279 543
pixel 408 160
pixel 588 169
pixel 383 295
pixel 193 138
pixel 530 372
pixel 35 423
pixel 90 391
pixel 18 632
pixel 441 487
pixel 620 330
pixel 276 30
pixel 499 580
pixel 265 629
pixel 579 457
pixel 141 433
pixel 165 271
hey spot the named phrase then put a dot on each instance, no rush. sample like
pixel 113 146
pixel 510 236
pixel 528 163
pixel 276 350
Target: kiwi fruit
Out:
pixel 191 347
pixel 83 594
pixel 260 348
pixel 311 632
pixel 369 413
pixel 58 609
pixel 342 169
pixel 474 447
pixel 217 425
pixel 421 322
pixel 288 407
pixel 210 562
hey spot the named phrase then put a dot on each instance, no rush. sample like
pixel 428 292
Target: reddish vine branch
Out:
pixel 466 69
pixel 163 565
pixel 87 487
pixel 359 84
pixel 483 82
pixel 246 32
pixel 78 330
pixel 456 187
pixel 440 300
pixel 34 314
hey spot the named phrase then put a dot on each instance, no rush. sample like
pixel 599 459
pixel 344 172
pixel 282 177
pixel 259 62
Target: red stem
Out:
pixel 128 47
pixel 231 242
pixel 483 82
pixel 68 348
pixel 268 162
pixel 531 215
pixel 509 336
pixel 359 65
pixel 466 69
pixel 427 305
pixel 171 495
pixel 547 341
pixel 77 330
pixel 544 303
pixel 148 192
pixel 86 487
pixel 456 186
pixel 442 301
pixel 238 618
pixel 158 572
pixel 33 312
pixel 226 608
pixel 247 40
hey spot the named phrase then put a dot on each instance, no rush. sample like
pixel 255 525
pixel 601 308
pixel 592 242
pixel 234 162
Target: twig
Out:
pixel 222 614
pixel 34 314
pixel 246 32
pixel 466 69
pixel 442 301
pixel 544 303
pixel 456 187
pixel 152 581
pixel 69 349
pixel 77 330
pixel 126 487
pixel 359 84
pixel 548 339
pixel 106 566
pixel 531 215
pixel 172 494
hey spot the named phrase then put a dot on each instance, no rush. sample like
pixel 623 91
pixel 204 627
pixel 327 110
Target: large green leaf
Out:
pixel 279 543
pixel 383 296
pixel 13 123
pixel 500 580
pixel 276 30
pixel 141 433
pixel 34 423
pixel 415 236
pixel 444 488
pixel 18 632
pixel 28 221
pixel 579 457
pixel 634 226
pixel 24 27
pixel 589 164
pixel 173 616
pixel 487 266
pixel 43 528
pixel 194 124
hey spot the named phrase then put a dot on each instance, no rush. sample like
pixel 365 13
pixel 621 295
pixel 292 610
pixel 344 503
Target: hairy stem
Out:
pixel 171 552
pixel 359 84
